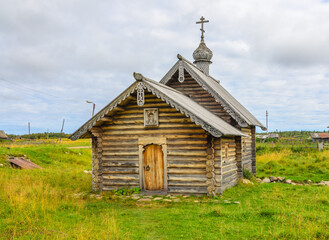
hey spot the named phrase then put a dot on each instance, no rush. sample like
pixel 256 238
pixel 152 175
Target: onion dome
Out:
pixel 202 53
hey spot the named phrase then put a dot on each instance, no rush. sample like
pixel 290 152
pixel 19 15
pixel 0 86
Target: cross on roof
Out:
pixel 201 29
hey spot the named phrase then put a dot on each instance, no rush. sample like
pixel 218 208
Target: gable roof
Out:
pixel 320 135
pixel 198 114
pixel 214 88
pixel 3 135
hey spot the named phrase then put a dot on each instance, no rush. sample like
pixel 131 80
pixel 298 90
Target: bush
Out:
pixel 247 174
pixel 127 191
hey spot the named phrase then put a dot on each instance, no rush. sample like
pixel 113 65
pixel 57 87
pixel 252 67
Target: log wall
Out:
pixel 186 148
pixel 229 170
pixel 253 150
pixel 238 156
pixel 97 160
pixel 246 146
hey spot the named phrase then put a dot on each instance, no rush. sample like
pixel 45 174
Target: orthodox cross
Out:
pixel 201 29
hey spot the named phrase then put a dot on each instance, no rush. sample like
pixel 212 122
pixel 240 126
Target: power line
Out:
pixel 38 91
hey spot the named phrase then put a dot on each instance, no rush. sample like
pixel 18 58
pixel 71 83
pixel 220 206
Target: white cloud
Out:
pixel 269 54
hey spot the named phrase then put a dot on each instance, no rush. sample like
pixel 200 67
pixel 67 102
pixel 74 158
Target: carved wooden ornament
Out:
pixel 140 94
pixel 181 72
pixel 151 117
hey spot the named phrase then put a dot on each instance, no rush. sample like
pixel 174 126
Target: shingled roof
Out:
pixel 3 135
pixel 221 95
pixel 320 135
pixel 197 113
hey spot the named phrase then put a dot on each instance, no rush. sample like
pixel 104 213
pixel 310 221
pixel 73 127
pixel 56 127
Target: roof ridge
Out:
pixel 191 109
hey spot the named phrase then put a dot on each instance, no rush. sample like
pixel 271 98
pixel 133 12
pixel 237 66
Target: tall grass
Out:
pixel 40 204
pixel 294 162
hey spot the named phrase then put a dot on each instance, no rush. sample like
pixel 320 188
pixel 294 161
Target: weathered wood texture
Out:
pixel 229 170
pixel 153 167
pixel 213 169
pixel 253 150
pixel 246 144
pixel 198 94
pixel 97 150
pixel 186 148
pixel 238 156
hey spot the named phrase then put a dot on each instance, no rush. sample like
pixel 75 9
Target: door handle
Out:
pixel 147 168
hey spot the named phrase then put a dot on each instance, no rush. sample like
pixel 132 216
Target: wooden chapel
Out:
pixel 183 135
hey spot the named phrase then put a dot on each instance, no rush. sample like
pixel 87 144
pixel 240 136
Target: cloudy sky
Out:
pixel 55 55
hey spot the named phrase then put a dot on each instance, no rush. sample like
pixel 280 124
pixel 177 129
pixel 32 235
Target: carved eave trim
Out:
pixel 99 116
pixel 237 117
pixel 198 121
pixel 217 97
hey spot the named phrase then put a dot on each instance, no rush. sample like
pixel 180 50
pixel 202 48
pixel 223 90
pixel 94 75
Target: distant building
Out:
pixel 3 135
pixel 270 135
pixel 320 137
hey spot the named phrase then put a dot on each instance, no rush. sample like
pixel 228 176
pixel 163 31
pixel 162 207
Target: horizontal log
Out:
pixel 111 188
pixel 187 178
pixel 141 110
pixel 123 140
pixel 153 100
pixel 229 168
pixel 186 158
pixel 190 190
pixel 120 153
pixel 187 164
pixel 120 164
pixel 126 177
pixel 120 182
pixel 186 171
pixel 120 158
pixel 187 153
pixel 121 148
pixel 153 131
pixel 149 104
pixel 136 127
pixel 171 137
pixel 120 170
pixel 200 142
pixel 229 174
pixel 187 147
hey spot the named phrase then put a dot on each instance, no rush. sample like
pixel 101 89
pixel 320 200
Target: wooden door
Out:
pixel 153 167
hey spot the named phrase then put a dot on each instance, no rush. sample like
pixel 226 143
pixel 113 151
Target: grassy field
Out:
pixel 40 204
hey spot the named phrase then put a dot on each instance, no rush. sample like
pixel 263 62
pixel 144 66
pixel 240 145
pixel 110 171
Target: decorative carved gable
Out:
pixel 192 88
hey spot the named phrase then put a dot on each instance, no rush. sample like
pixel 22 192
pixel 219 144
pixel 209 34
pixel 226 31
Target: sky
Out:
pixel 54 55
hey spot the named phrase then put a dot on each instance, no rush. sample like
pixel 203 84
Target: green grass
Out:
pixel 38 204
pixel 294 162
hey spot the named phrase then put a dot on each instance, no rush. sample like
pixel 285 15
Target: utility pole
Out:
pixel 29 130
pixel 60 136
pixel 266 122
pixel 92 114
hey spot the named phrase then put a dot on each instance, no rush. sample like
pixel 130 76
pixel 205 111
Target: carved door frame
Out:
pixel 142 143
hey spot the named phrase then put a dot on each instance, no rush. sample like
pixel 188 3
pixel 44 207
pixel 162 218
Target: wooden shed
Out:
pixel 3 135
pixel 183 135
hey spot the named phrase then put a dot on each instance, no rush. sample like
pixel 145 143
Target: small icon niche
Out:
pixel 151 117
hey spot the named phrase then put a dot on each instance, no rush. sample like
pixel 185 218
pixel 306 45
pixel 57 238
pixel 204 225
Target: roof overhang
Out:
pixel 198 114
pixel 199 77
